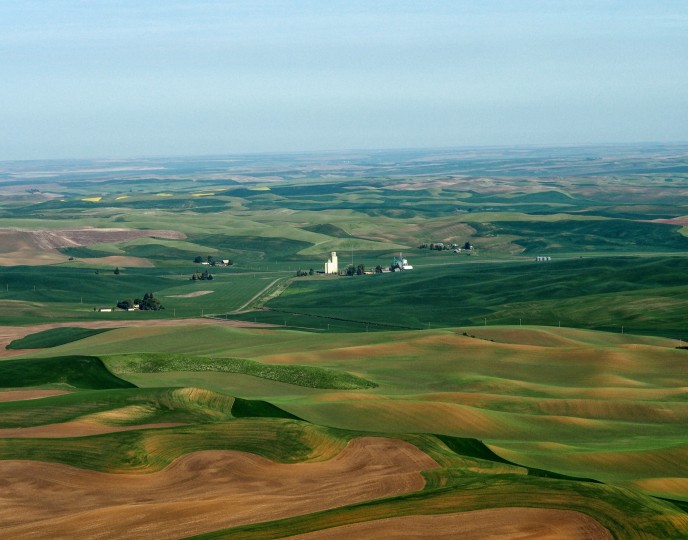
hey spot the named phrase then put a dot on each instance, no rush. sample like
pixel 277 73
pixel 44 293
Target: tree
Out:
pixel 150 303
pixel 467 246
pixel 378 269
pixel 350 270
pixel 125 304
pixel 211 259
pixel 117 270
pixel 311 272
pixel 198 259
pixel 360 270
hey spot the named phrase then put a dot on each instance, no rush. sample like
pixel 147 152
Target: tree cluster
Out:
pixel 205 275
pixel 148 303
pixel 300 273
pixel 355 271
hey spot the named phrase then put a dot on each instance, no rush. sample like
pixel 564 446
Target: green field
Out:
pixel 643 295
pixel 34 295
pixel 53 338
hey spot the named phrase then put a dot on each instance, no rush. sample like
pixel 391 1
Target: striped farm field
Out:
pixel 567 398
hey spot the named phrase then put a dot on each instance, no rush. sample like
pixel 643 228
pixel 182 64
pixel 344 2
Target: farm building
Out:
pixel 541 258
pixel 399 263
pixel 332 266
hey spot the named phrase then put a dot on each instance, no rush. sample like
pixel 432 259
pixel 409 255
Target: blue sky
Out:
pixel 118 78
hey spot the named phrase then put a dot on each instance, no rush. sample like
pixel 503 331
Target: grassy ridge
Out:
pixel 251 408
pixel 278 439
pixel 124 407
pixel 308 376
pixel 53 337
pixel 86 372
pixel 135 406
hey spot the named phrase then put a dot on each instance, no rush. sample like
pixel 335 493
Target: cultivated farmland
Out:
pixel 484 391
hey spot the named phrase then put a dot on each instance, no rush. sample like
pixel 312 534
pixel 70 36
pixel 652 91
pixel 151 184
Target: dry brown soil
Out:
pixel 199 492
pixel 190 295
pixel 497 523
pixel 40 247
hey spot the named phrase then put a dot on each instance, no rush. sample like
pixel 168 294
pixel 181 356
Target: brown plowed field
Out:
pixel 121 261
pixel 512 523
pixel 40 247
pixel 59 238
pixel 199 492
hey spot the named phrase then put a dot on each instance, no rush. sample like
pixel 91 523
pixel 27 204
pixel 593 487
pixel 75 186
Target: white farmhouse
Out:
pixel 332 266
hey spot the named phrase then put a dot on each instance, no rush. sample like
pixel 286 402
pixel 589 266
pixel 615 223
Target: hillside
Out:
pixel 482 393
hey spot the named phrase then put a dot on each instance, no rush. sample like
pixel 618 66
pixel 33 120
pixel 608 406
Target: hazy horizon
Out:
pixel 160 79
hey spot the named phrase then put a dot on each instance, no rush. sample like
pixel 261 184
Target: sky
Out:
pixel 124 78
